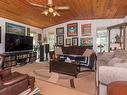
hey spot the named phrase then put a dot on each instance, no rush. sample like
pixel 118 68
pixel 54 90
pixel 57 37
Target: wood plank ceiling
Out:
pixel 22 11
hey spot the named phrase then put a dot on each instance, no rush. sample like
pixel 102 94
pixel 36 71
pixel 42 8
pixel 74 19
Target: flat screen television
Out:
pixel 15 42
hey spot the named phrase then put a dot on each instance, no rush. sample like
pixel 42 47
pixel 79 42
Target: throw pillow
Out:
pixel 107 56
pixel 68 60
pixel 120 54
pixel 115 60
pixel 121 65
pixel 125 61
pixel 88 52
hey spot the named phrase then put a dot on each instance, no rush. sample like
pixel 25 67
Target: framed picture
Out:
pixel 0 34
pixel 68 41
pixel 86 41
pixel 86 30
pixel 60 31
pixel 60 40
pixel 15 29
pixel 75 41
pixel 72 29
pixel 28 31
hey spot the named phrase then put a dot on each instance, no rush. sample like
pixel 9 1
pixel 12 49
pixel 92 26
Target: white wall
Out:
pixel 95 24
pixel 125 19
pixel 2 24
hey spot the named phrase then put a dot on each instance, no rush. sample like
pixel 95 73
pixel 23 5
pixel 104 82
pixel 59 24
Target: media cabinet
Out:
pixel 17 58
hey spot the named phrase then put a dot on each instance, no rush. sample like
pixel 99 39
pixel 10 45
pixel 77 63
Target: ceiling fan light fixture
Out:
pixel 46 13
pixel 54 14
pixel 51 10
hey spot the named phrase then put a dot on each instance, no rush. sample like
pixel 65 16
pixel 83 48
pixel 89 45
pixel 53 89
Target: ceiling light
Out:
pixel 54 14
pixel 51 10
pixel 46 13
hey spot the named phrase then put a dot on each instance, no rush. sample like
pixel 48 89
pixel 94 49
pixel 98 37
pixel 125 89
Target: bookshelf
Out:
pixel 18 58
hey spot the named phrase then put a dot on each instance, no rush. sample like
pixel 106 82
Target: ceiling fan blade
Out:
pixel 50 2
pixel 57 13
pixel 45 12
pixel 38 5
pixel 62 7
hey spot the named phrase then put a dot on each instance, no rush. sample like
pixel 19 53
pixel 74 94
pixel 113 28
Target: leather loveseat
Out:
pixel 14 83
pixel 75 50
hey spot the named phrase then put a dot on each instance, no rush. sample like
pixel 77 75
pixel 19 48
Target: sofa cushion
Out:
pixel 125 61
pixel 108 74
pixel 107 56
pixel 115 60
pixel 121 65
pixel 120 54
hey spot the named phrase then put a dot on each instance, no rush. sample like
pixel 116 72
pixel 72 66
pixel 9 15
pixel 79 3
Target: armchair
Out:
pixel 107 73
pixel 14 83
pixel 110 74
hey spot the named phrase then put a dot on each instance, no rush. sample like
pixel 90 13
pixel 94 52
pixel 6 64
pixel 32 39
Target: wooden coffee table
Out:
pixel 64 67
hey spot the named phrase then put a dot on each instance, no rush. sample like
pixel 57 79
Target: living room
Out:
pixel 63 47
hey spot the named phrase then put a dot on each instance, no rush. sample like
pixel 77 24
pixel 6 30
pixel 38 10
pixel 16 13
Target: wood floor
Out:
pixel 47 88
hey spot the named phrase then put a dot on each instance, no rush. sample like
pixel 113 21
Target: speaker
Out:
pixel 46 48
pixel 41 52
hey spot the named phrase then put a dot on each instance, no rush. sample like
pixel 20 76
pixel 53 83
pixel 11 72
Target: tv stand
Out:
pixel 18 58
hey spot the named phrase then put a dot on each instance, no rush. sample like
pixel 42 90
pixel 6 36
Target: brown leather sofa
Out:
pixel 75 50
pixel 117 88
pixel 14 83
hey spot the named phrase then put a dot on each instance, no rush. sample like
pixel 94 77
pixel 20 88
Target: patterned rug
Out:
pixel 84 80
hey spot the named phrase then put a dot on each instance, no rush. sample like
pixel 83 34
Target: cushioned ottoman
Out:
pixel 117 88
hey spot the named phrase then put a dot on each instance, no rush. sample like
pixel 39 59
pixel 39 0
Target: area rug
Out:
pixel 84 80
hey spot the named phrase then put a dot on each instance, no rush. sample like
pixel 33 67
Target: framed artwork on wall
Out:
pixel 86 41
pixel 68 41
pixel 72 29
pixel 86 29
pixel 60 31
pixel 0 34
pixel 75 41
pixel 60 40
pixel 15 29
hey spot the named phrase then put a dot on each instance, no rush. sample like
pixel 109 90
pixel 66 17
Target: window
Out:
pixel 102 40
pixel 51 41
pixel 34 35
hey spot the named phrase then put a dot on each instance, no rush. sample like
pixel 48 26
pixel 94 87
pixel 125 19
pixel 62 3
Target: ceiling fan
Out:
pixel 50 8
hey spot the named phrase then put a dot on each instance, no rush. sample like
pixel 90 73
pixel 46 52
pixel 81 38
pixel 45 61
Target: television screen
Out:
pixel 15 42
